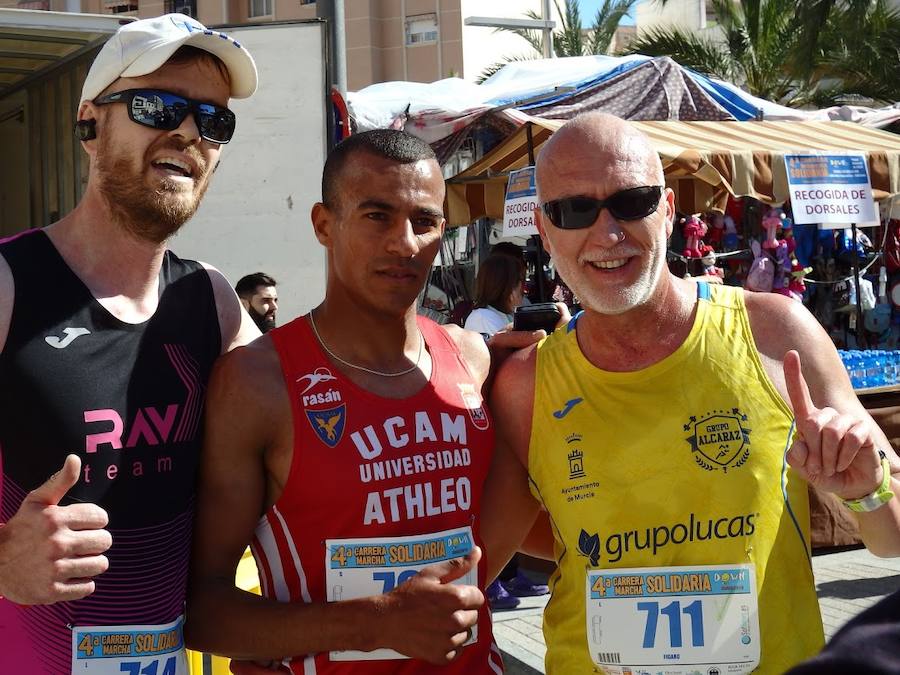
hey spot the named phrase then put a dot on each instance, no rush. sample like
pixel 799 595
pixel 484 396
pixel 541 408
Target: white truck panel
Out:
pixel 255 216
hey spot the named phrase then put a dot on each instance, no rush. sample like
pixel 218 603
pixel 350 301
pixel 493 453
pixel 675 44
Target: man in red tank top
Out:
pixel 349 448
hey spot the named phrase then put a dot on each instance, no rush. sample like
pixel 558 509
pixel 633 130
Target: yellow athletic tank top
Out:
pixel 678 464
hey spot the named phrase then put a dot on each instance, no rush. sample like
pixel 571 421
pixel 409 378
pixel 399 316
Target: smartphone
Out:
pixel 541 315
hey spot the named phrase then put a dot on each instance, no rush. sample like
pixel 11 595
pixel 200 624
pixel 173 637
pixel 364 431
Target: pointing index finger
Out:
pixel 798 391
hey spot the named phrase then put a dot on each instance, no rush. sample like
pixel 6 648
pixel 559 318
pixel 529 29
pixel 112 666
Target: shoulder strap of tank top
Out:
pixel 174 268
pixel 33 259
pixel 703 292
pixel 39 272
pixel 439 341
pixel 436 336
pixel 296 345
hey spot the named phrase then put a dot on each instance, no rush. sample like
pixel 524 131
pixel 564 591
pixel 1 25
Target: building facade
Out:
pixel 689 16
pixel 386 40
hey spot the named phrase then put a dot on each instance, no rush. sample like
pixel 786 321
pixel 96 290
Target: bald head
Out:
pixel 598 142
pixel 612 265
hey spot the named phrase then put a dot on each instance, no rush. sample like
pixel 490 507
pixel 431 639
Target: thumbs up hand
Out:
pixel 833 451
pixel 427 616
pixel 49 553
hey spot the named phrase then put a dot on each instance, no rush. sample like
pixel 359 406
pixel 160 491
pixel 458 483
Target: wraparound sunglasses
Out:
pixel 166 111
pixel 575 213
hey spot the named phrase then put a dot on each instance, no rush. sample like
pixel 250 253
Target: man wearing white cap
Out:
pixel 106 344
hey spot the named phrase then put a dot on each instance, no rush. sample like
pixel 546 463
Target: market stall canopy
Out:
pixel 704 162
pixel 33 42
pixel 633 87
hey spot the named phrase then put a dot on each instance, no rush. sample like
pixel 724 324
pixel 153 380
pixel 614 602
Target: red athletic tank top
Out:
pixel 378 488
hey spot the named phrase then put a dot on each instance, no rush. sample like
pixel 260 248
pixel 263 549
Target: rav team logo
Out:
pixel 719 440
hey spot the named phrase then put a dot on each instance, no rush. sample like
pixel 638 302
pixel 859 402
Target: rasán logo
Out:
pixel 719 439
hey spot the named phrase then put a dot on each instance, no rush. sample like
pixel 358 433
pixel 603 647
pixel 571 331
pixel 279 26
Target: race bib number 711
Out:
pixel 680 620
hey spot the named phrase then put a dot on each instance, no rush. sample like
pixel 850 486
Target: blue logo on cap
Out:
pixel 188 26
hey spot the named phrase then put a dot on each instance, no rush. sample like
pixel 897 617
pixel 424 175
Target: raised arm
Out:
pixel 837 445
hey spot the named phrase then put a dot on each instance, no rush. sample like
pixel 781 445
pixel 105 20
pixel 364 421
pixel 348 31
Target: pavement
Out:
pixel 847 582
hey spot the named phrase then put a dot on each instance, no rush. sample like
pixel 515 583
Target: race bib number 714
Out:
pixel 133 650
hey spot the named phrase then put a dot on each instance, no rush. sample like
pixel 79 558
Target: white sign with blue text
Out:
pixel 830 190
pixel 521 201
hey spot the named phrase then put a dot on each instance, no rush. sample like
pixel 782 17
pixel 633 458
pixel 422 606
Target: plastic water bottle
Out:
pixel 848 361
pixel 855 368
pixel 877 369
pixel 890 370
pixel 864 369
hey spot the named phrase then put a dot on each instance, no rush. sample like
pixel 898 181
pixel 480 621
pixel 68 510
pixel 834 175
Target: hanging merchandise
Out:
pixel 842 294
pixel 716 231
pixel 762 270
pixel 892 246
pixel 732 239
pixel 867 295
pixel 805 239
pixel 827 242
pixel 734 209
pixel 895 293
pixel 782 267
pixel 796 286
pixel 878 319
pixel 694 230
pixel 845 243
pixel 774 257
pixel 771 224
pixel 787 233
pixel 802 261
pixel 709 266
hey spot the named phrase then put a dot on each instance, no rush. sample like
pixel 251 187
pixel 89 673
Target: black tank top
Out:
pixel 128 400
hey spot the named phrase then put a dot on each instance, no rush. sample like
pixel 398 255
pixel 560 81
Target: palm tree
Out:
pixel 758 37
pixel 862 57
pixel 796 53
pixel 570 39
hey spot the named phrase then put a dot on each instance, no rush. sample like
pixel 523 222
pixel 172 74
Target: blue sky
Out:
pixel 589 11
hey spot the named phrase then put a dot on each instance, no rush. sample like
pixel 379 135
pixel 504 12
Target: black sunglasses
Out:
pixel 575 213
pixel 166 111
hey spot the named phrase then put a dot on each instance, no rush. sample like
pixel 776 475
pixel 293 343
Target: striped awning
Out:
pixel 704 162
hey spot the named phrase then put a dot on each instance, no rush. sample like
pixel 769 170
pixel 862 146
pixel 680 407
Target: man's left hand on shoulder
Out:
pixel 834 451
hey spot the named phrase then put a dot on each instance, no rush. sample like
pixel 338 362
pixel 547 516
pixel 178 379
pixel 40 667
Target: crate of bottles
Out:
pixel 872 367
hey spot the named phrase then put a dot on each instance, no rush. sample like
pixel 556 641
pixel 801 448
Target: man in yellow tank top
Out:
pixel 659 436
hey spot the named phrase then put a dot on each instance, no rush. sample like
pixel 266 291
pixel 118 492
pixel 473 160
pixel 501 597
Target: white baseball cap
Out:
pixel 141 47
